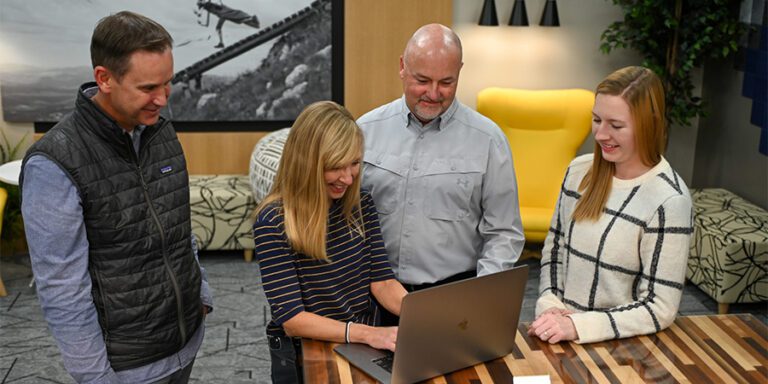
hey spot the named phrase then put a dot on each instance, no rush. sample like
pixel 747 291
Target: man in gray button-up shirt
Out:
pixel 440 173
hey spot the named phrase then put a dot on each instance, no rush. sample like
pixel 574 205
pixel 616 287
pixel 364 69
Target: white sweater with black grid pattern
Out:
pixel 623 275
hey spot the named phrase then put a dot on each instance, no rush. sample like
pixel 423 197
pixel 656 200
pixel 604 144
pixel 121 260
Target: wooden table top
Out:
pixel 696 349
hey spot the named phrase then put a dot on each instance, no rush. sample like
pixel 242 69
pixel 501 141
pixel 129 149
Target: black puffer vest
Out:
pixel 146 282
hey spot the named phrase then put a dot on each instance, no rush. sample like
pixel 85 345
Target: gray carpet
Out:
pixel 234 350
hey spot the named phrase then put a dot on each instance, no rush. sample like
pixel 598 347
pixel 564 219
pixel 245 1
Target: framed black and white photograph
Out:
pixel 234 60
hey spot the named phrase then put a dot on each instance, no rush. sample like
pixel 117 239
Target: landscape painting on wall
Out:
pixel 234 60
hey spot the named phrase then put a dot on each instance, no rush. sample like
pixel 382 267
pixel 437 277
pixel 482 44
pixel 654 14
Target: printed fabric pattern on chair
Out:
pixel 729 249
pixel 545 129
pixel 221 212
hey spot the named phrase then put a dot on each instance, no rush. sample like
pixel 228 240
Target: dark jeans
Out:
pixel 285 353
pixel 390 320
pixel 179 377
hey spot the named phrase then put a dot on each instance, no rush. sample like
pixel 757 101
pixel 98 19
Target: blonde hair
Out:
pixel 324 136
pixel 644 93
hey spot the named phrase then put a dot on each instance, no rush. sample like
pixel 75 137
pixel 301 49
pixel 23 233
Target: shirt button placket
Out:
pixel 409 216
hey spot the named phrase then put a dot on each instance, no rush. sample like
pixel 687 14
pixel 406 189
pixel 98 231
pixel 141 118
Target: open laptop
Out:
pixel 447 328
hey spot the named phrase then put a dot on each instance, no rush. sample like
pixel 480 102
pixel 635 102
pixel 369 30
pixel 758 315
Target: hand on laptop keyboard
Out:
pixel 376 337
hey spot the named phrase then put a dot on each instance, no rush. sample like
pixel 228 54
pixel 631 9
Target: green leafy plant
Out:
pixel 674 37
pixel 8 152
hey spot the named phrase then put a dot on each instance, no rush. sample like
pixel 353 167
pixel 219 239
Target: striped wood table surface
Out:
pixel 695 349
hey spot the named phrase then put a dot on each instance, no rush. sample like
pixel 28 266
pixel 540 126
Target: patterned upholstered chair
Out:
pixel 264 162
pixel 221 213
pixel 222 205
pixel 729 250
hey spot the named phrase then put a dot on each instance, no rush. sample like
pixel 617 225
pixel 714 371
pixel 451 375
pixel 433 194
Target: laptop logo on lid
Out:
pixel 166 169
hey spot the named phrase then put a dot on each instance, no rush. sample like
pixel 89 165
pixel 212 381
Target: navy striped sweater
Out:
pixel 339 289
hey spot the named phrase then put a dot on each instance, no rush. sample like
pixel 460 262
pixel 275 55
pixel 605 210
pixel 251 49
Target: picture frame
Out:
pixel 256 75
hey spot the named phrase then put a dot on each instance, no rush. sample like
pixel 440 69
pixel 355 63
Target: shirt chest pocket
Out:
pixel 382 176
pixel 451 183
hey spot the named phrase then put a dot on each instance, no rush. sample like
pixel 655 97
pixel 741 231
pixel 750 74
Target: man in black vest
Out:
pixel 105 200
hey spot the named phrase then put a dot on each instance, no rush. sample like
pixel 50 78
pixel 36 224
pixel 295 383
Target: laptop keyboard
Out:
pixel 386 361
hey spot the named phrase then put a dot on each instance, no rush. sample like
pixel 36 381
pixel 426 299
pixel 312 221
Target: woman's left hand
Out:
pixel 553 328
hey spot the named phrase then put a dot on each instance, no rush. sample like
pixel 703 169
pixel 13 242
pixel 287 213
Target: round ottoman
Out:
pixel 265 159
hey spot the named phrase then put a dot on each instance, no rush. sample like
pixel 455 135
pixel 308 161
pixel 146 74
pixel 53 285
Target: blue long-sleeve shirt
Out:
pixel 58 247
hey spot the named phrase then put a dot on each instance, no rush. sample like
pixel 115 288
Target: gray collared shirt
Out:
pixel 446 192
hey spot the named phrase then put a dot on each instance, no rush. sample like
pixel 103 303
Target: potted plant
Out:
pixel 674 37
pixel 13 227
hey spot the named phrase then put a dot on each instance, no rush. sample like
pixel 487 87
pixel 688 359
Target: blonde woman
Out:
pixel 319 244
pixel 613 264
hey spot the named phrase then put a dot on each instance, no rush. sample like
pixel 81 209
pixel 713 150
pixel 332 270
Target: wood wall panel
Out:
pixel 219 152
pixel 375 33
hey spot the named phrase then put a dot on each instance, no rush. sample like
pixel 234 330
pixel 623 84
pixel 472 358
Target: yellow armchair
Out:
pixel 545 129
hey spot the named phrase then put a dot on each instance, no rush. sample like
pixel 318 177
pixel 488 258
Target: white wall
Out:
pixel 537 57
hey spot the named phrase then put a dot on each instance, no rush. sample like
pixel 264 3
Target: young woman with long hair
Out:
pixel 614 262
pixel 319 244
